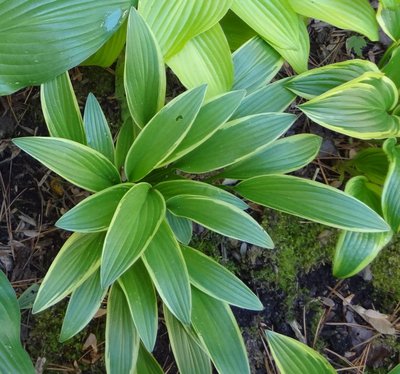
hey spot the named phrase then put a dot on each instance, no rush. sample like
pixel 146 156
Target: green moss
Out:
pixel 43 339
pixel 386 275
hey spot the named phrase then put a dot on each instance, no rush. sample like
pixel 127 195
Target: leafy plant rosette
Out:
pixel 131 236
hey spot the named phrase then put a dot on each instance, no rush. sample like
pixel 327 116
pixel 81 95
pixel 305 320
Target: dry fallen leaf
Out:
pixel 379 321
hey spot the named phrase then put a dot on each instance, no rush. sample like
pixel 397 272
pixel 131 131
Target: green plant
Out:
pixel 150 175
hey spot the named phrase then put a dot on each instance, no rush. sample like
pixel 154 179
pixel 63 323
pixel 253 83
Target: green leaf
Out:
pixel 62 29
pixel 144 76
pixel 83 305
pixel 390 194
pixel 205 59
pixel 256 63
pixel 396 370
pixel 371 162
pixel 274 97
pixel 355 250
pixel 122 339
pixel 237 32
pixel 146 363
pixel 98 133
pixel 189 356
pixel 163 134
pixel 277 23
pixel 77 260
pixel 280 157
pixel 27 298
pixel 136 220
pixel 388 17
pixel 79 164
pixel 182 227
pixel 317 81
pixel 358 108
pixel 235 141
pixel 125 139
pixel 312 200
pixel 13 358
pixel 391 69
pixel 357 15
pixel 174 188
pixel 167 269
pixel 174 23
pixel 213 279
pixel 110 51
pixel 219 333
pixel 220 217
pixel 293 357
pixel 95 212
pixel 357 44
pixel 141 297
pixel 211 117
pixel 60 109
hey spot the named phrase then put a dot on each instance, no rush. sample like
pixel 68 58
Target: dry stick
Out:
pixel 344 359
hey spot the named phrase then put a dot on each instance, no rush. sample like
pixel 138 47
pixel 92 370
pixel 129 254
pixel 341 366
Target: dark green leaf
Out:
pixel 182 227
pixel 146 363
pixel 41 39
pixel 125 139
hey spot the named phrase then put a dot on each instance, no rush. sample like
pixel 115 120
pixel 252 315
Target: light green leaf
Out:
pixel 83 305
pixel 182 227
pixel 174 188
pixel 390 194
pixel 391 68
pixel 396 370
pixel 13 358
pixel 144 76
pixel 358 108
pixel 79 164
pixel 388 18
pixel 174 23
pixel 167 269
pixel 256 63
pixel 189 356
pixel 355 250
pixel 98 133
pixel 218 331
pixel 274 97
pixel 77 260
pixel 280 157
pixel 163 134
pixel 213 279
pixel 136 220
pixel 312 200
pixel 110 51
pixel 211 117
pixel 125 139
pixel 293 357
pixel 277 23
pixel 205 59
pixel 146 363
pixel 141 297
pixel 60 109
pixel 237 32
pixel 94 213
pixel 235 141
pixel 317 81
pixel 357 15
pixel 122 339
pixel 62 29
pixel 220 217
